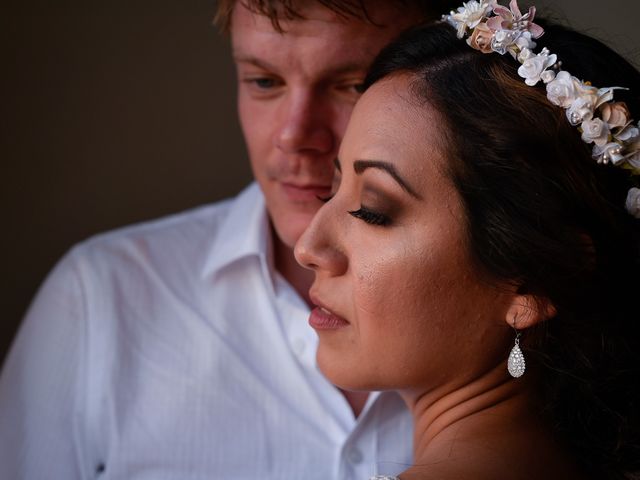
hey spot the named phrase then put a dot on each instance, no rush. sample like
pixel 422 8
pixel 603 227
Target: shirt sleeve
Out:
pixel 41 387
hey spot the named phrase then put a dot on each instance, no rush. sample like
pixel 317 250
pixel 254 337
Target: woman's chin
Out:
pixel 347 375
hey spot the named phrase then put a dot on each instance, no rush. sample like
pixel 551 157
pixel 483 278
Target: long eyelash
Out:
pixel 373 218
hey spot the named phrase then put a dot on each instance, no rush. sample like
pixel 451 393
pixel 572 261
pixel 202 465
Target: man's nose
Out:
pixel 306 125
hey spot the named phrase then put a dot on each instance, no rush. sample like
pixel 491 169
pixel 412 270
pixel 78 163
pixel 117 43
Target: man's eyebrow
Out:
pixel 346 68
pixel 254 61
pixel 360 166
pixel 349 67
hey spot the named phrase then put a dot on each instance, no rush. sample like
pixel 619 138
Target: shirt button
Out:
pixel 298 346
pixel 354 455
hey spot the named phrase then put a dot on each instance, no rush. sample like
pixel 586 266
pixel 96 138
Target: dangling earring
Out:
pixel 515 363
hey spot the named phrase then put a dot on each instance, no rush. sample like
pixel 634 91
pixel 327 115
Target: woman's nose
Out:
pixel 319 247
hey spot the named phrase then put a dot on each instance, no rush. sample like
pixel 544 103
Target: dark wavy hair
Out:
pixel 541 214
pixel 278 10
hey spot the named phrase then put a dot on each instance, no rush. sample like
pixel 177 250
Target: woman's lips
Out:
pixel 322 319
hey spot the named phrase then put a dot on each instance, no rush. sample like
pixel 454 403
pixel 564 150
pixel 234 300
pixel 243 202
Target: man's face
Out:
pixel 296 91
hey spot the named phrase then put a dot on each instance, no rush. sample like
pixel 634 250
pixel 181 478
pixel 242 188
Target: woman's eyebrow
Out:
pixel 360 166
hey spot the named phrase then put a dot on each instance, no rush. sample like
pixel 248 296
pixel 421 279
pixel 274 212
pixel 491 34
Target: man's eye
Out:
pixel 358 88
pixel 262 83
pixel 355 88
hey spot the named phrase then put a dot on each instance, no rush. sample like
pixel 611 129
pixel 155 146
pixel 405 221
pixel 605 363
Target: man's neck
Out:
pixel 298 277
pixel 301 279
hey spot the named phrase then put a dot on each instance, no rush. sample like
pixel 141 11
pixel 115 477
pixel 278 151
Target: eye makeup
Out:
pixel 371 217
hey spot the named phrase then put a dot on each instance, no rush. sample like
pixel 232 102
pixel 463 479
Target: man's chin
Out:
pixel 287 230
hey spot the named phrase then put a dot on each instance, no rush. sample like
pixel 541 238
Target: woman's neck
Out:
pixel 439 412
pixel 484 429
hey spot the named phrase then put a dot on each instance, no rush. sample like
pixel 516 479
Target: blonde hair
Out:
pixel 278 10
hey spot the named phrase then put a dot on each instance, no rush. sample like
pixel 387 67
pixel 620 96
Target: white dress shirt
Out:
pixel 174 350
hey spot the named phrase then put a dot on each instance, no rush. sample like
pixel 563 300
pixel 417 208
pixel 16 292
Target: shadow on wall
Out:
pixel 115 114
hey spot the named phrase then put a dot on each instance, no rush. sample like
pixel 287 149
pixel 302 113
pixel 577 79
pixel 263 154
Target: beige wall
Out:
pixel 113 114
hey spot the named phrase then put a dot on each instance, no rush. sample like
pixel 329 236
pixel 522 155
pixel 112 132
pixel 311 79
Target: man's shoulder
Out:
pixel 194 225
pixel 183 238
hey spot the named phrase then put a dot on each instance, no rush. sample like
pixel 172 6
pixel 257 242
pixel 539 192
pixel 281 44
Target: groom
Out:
pixel 179 348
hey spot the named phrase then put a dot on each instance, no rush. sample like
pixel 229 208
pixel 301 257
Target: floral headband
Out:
pixel 606 124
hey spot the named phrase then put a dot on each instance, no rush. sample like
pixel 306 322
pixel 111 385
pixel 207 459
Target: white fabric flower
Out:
pixel 471 14
pixel 633 202
pixel 628 134
pixel 563 90
pixel 605 95
pixel 525 40
pixel 608 153
pixel 503 39
pixel 548 76
pixel 596 131
pixel 581 109
pixel 634 161
pixel 533 68
pixel 589 99
pixel 524 55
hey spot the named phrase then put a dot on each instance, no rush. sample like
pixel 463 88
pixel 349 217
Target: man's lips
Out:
pixel 305 193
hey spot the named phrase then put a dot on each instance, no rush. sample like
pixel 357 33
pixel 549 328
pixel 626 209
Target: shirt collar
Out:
pixel 244 232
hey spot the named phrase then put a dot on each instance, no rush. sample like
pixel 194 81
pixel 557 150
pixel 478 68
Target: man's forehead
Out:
pixel 309 56
pixel 315 19
pixel 369 11
pixel 321 47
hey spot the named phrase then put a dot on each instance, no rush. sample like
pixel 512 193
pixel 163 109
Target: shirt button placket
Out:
pixel 354 456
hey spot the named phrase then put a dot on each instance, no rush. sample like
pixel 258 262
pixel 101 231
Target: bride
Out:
pixel 480 250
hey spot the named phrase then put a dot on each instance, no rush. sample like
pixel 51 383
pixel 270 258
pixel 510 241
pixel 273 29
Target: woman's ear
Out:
pixel 528 310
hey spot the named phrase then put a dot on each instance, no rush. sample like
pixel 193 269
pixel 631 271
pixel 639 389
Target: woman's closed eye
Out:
pixel 371 217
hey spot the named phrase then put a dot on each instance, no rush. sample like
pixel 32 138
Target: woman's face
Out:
pixel 399 305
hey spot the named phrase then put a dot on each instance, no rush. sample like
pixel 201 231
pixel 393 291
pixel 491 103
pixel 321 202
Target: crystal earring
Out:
pixel 515 363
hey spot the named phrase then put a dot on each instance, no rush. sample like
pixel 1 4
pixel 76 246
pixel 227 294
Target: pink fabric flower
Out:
pixel 615 114
pixel 512 19
pixel 480 39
